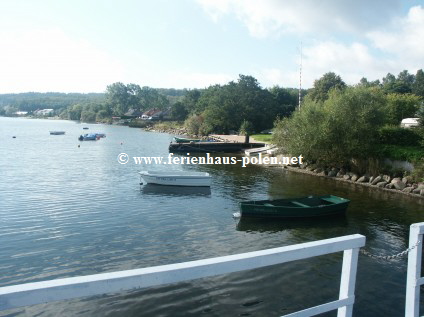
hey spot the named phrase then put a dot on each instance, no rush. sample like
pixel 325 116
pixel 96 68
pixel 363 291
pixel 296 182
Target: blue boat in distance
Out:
pixel 88 137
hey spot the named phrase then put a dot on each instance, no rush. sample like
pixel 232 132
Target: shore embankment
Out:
pixel 382 182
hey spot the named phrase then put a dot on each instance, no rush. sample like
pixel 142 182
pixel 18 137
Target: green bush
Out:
pixel 402 153
pixel 333 133
pixel 399 136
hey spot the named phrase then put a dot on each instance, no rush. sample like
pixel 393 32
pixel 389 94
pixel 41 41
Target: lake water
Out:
pixel 67 211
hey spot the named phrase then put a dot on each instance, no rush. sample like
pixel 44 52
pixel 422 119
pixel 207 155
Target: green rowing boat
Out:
pixel 185 140
pixel 311 206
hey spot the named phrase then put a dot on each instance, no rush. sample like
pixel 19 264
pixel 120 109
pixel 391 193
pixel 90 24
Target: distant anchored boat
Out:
pixel 176 178
pixel 88 137
pixel 311 206
pixel 57 132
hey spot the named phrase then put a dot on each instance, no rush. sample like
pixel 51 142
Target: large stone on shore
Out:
pixel 396 179
pixel 408 189
pixel 420 186
pixel 323 173
pixel 399 185
pixel 381 184
pixel 371 179
pixel 354 178
pixel 346 177
pixel 318 170
pixel 422 192
pixel 389 186
pixel 340 174
pixel 363 179
pixel 416 191
pixel 387 178
pixel 376 180
pixel 332 173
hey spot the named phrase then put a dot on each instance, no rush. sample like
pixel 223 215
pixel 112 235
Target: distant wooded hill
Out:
pixel 32 101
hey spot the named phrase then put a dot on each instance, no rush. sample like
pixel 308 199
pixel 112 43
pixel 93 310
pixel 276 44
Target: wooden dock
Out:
pixel 212 147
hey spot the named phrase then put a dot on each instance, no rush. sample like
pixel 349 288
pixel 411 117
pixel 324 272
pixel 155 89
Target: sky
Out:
pixel 83 46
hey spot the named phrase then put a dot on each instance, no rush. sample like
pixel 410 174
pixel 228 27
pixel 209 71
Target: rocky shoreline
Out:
pixel 381 182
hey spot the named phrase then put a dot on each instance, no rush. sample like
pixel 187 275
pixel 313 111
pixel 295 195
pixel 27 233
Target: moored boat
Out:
pixel 57 132
pixel 185 140
pixel 310 206
pixel 176 178
pixel 88 137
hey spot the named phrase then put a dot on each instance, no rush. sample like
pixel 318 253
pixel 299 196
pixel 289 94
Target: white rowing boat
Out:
pixel 176 178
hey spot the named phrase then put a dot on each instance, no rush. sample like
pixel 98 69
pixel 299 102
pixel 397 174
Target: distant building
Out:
pixel 155 114
pixel 43 112
pixel 21 113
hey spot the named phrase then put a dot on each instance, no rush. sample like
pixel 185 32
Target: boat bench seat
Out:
pixel 329 200
pixel 299 204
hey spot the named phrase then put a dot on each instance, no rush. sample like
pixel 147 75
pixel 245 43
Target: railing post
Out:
pixel 412 302
pixel 348 280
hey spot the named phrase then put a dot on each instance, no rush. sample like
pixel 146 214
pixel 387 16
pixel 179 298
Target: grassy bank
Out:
pixel 266 138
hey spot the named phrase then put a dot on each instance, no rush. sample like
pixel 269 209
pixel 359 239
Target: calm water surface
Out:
pixel 68 211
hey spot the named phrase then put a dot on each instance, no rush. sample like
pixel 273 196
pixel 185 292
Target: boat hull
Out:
pixel 312 206
pixel 185 140
pixel 202 179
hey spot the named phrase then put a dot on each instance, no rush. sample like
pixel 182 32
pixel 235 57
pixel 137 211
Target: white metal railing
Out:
pixel 414 279
pixel 68 288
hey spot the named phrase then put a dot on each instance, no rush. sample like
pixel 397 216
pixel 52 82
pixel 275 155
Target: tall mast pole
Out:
pixel 300 76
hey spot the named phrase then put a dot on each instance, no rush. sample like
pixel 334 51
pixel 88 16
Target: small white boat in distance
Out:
pixel 176 178
pixel 57 132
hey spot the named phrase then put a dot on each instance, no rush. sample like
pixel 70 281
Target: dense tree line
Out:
pixel 219 108
pixel 223 108
pixel 346 126
pixel 32 101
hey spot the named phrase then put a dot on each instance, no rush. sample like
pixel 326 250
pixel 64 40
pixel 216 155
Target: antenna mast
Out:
pixel 300 76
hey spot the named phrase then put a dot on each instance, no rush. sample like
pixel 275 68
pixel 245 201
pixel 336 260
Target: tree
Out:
pixel 193 124
pixel 324 85
pixel 88 116
pixel 224 108
pixel 118 97
pixel 102 115
pixel 343 128
pixel 286 100
pixel 402 84
pixel 418 86
pixel 420 114
pixel 400 106
pixel 74 112
pixel 365 83
pixel 246 128
pixel 179 111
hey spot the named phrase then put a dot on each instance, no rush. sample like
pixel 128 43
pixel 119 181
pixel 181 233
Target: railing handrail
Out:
pixel 81 286
pixel 413 278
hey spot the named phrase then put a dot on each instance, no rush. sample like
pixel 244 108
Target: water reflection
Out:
pixel 160 190
pixel 276 225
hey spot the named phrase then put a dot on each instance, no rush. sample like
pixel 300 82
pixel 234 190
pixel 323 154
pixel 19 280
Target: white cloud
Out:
pixel 34 60
pixel 405 40
pixel 270 17
pixel 350 61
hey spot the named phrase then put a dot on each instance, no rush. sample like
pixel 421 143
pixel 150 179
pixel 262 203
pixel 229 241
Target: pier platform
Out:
pixel 211 147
